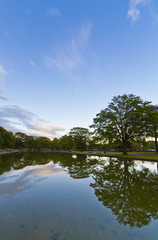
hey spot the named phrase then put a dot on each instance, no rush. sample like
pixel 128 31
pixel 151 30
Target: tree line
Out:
pixel 125 124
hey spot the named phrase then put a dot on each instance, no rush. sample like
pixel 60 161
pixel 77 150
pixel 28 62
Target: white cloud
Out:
pixel 17 119
pixel 33 64
pixel 134 9
pixel 53 12
pixel 47 130
pixel 70 56
pixel 3 73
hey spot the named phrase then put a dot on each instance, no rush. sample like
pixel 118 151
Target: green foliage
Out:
pixel 56 144
pixel 80 137
pixel 152 124
pixel 66 142
pixel 123 125
pixel 31 142
pixel 130 194
pixel 41 143
pixel 20 139
pixel 124 120
pixel 7 139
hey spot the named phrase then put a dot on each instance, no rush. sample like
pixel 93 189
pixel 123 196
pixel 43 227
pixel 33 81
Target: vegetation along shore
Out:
pixel 128 124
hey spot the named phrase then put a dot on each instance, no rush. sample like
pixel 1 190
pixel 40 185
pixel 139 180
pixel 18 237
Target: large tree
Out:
pixel 124 119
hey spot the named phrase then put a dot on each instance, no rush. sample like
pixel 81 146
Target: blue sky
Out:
pixel 62 61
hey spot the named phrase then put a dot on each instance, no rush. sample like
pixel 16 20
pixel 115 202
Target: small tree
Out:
pixel 80 137
pixel 66 142
pixel 42 143
pixel 20 139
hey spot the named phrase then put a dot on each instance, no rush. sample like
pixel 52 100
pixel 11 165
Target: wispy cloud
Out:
pixel 154 15
pixel 33 64
pixel 2 97
pixel 134 9
pixel 3 73
pixel 53 12
pixel 17 119
pixel 70 56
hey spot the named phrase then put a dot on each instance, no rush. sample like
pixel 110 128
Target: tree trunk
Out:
pixel 109 145
pixel 156 144
pixel 155 136
pixel 126 174
pixel 124 146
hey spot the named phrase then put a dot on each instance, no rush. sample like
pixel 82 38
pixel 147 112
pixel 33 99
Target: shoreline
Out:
pixel 7 152
pixel 130 155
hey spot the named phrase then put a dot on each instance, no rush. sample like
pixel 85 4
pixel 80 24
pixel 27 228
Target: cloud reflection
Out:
pixel 16 181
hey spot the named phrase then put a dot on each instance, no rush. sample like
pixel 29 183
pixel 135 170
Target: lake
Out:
pixel 52 196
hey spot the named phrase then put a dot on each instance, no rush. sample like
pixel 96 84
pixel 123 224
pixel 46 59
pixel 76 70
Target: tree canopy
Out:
pixel 6 138
pixel 152 124
pixel 80 137
pixel 124 119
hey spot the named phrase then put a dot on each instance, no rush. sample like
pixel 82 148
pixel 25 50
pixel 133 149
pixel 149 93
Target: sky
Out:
pixel 62 61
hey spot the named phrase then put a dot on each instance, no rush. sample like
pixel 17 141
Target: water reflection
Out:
pixel 131 194
pixel 128 188
pixel 14 182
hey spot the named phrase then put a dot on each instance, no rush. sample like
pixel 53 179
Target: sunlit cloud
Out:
pixel 53 12
pixel 47 130
pixel 70 56
pixel 134 9
pixel 47 170
pixel 16 119
pixel 3 73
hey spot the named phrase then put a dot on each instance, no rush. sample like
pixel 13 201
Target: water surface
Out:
pixel 69 197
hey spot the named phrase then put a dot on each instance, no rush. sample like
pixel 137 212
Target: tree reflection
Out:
pixel 132 195
pixel 19 161
pixel 82 167
pixel 78 167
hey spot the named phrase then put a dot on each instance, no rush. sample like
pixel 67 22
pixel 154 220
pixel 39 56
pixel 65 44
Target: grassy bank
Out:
pixel 133 156
pixel 6 150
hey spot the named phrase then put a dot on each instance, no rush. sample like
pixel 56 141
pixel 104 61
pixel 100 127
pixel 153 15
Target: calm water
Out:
pixel 64 197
